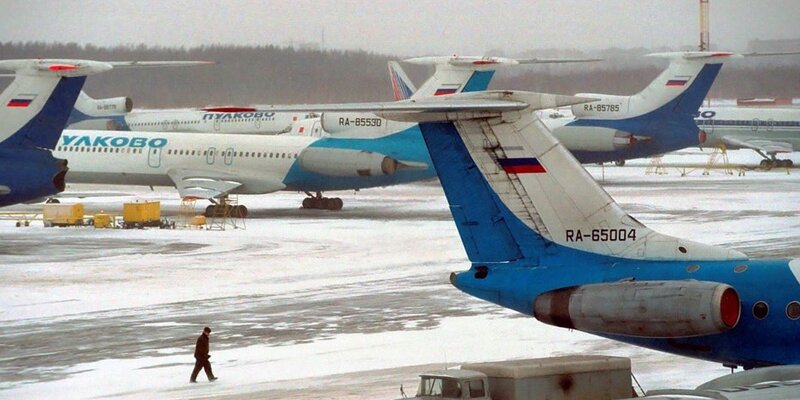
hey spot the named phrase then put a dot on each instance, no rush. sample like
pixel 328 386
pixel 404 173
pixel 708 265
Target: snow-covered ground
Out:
pixel 318 304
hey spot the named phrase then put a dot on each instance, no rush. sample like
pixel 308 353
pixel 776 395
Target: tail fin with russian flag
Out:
pixel 516 192
pixel 34 108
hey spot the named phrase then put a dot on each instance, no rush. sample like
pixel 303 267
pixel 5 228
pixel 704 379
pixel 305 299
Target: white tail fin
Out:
pixel 534 178
pixel 679 89
pixel 456 74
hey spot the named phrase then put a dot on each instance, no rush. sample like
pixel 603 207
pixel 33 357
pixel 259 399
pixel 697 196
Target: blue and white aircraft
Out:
pixel 212 166
pixel 545 239
pixel 615 128
pixel 33 111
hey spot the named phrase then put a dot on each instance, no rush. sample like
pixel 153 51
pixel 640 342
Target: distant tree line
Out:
pixel 282 75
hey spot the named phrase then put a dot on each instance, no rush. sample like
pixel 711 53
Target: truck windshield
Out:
pixel 439 387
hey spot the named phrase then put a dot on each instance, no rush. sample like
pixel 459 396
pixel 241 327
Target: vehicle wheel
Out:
pixel 337 204
pixel 209 211
pixel 324 203
pixel 19 224
pixel 52 201
pixel 307 202
pixel 789 163
pixel 620 163
pixel 764 163
pixel 27 223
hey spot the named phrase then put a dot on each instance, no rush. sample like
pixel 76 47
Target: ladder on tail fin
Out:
pixel 481 134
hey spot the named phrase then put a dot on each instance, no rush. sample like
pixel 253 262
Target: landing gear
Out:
pixel 775 163
pixel 52 200
pixel 322 203
pixel 619 163
pixel 223 209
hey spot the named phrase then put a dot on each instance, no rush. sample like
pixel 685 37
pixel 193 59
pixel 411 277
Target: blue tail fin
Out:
pixel 44 128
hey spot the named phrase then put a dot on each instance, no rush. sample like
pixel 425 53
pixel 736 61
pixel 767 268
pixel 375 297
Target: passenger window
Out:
pixel 793 310
pixel 760 310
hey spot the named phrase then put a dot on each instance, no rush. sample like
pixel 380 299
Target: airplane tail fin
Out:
pixel 679 90
pixel 457 74
pixel 402 86
pixel 34 108
pixel 90 113
pixel 516 192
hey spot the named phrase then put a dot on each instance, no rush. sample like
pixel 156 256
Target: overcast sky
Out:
pixel 403 27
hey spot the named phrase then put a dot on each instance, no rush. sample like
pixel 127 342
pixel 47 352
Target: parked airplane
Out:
pixel 35 107
pixel 546 240
pixel 768 131
pixel 117 114
pixel 657 120
pixel 212 166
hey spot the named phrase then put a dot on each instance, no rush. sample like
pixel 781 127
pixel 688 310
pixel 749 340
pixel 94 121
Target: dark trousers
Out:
pixel 202 364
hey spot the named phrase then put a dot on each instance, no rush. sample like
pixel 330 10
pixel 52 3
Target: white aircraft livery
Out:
pixel 768 131
pixel 117 114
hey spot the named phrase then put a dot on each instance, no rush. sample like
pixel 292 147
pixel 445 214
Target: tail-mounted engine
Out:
pixel 345 162
pixel 652 309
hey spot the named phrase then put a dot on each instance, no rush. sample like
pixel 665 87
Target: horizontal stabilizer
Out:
pixel 158 64
pixel 478 102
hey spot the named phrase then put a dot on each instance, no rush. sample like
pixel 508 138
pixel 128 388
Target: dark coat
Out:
pixel 201 348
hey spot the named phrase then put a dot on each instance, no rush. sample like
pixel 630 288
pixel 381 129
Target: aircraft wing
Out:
pixel 477 103
pixel 202 184
pixel 763 145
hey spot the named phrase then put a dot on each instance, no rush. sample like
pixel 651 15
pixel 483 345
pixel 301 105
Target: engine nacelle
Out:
pixel 344 162
pixel 652 309
pixel 104 107
pixel 31 174
pixel 357 124
pixel 585 138
pixel 607 107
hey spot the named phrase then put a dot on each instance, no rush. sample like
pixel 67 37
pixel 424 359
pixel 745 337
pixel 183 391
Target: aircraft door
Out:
pixel 211 155
pixel 175 125
pixel 216 125
pixel 257 123
pixel 770 124
pixel 154 157
pixel 228 156
pixel 754 126
pixel 165 125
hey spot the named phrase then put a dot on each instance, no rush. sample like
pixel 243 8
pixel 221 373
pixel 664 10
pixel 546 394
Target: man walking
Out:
pixel 201 357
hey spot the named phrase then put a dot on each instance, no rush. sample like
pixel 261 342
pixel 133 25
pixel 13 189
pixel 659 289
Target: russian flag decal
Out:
pixel 448 88
pixel 521 165
pixel 21 100
pixel 678 81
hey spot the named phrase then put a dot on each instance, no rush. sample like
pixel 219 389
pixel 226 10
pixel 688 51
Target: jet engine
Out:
pixel 607 107
pixel 36 174
pixel 652 309
pixel 103 107
pixel 345 162
pixel 594 138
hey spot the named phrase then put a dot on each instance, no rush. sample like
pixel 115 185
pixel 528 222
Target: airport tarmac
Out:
pixel 319 304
